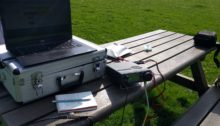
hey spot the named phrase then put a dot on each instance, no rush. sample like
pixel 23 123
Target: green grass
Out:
pixel 166 109
pixel 103 21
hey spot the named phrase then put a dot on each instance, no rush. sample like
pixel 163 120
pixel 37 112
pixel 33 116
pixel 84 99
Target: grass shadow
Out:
pixel 199 6
pixel 139 113
pixel 183 102
pixel 164 116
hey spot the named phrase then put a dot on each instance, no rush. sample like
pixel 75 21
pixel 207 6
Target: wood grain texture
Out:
pixel 159 52
pixel 213 118
pixel 135 38
pixel 149 39
pixel 197 112
pixel 184 81
pixel 159 45
pixel 8 104
pixel 157 42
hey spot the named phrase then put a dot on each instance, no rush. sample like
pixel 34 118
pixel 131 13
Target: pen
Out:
pixel 71 100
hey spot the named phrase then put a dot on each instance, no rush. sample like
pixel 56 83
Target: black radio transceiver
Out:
pixel 127 74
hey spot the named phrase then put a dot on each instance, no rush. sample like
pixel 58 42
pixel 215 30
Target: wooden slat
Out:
pixel 166 55
pixel 28 112
pixel 184 81
pixel 172 52
pixel 213 118
pixel 44 106
pixel 3 94
pixel 174 65
pixel 177 43
pixel 63 122
pixel 149 39
pixel 158 42
pixel 135 38
pixel 197 112
pixel 8 104
pixel 169 68
pixel 157 45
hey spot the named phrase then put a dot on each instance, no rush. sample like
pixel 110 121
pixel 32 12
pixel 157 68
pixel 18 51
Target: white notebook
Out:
pixel 116 50
pixel 88 104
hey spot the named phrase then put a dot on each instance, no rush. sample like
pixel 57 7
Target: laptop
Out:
pixel 39 31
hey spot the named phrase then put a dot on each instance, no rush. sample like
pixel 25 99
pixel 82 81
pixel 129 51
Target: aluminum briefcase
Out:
pixel 28 84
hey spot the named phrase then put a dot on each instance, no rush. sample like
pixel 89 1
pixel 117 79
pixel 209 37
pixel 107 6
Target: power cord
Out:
pixel 148 105
pixel 123 112
pixel 158 69
pixel 122 87
pixel 154 84
pixel 145 87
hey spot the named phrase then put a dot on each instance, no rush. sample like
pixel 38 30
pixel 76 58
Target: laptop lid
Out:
pixel 35 22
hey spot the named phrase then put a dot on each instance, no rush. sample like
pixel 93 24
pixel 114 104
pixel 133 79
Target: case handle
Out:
pixel 64 86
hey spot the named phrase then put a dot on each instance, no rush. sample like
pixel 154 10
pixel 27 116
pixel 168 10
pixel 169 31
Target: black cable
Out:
pixel 163 78
pixel 157 67
pixel 125 102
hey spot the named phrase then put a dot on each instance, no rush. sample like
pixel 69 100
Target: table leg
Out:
pixel 199 77
pixel 184 81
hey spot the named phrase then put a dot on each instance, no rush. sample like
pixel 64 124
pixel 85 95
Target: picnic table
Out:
pixel 173 52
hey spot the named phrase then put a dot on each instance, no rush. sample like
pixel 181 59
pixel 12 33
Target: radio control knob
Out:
pixel 147 76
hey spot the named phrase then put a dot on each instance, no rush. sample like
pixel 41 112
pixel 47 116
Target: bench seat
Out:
pixel 206 112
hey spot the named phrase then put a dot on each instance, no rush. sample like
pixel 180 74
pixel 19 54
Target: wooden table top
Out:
pixel 173 51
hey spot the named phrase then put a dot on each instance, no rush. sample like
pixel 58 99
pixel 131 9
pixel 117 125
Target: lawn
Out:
pixel 102 21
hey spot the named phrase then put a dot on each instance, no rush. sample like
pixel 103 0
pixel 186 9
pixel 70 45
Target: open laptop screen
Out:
pixel 28 22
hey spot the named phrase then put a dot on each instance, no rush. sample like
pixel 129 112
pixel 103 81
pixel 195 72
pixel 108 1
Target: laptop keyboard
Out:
pixel 44 48
pixel 67 45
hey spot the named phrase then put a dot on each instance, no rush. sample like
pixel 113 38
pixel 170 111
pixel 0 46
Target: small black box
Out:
pixel 205 39
pixel 127 74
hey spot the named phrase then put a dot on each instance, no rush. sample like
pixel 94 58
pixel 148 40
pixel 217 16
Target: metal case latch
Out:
pixel 37 82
